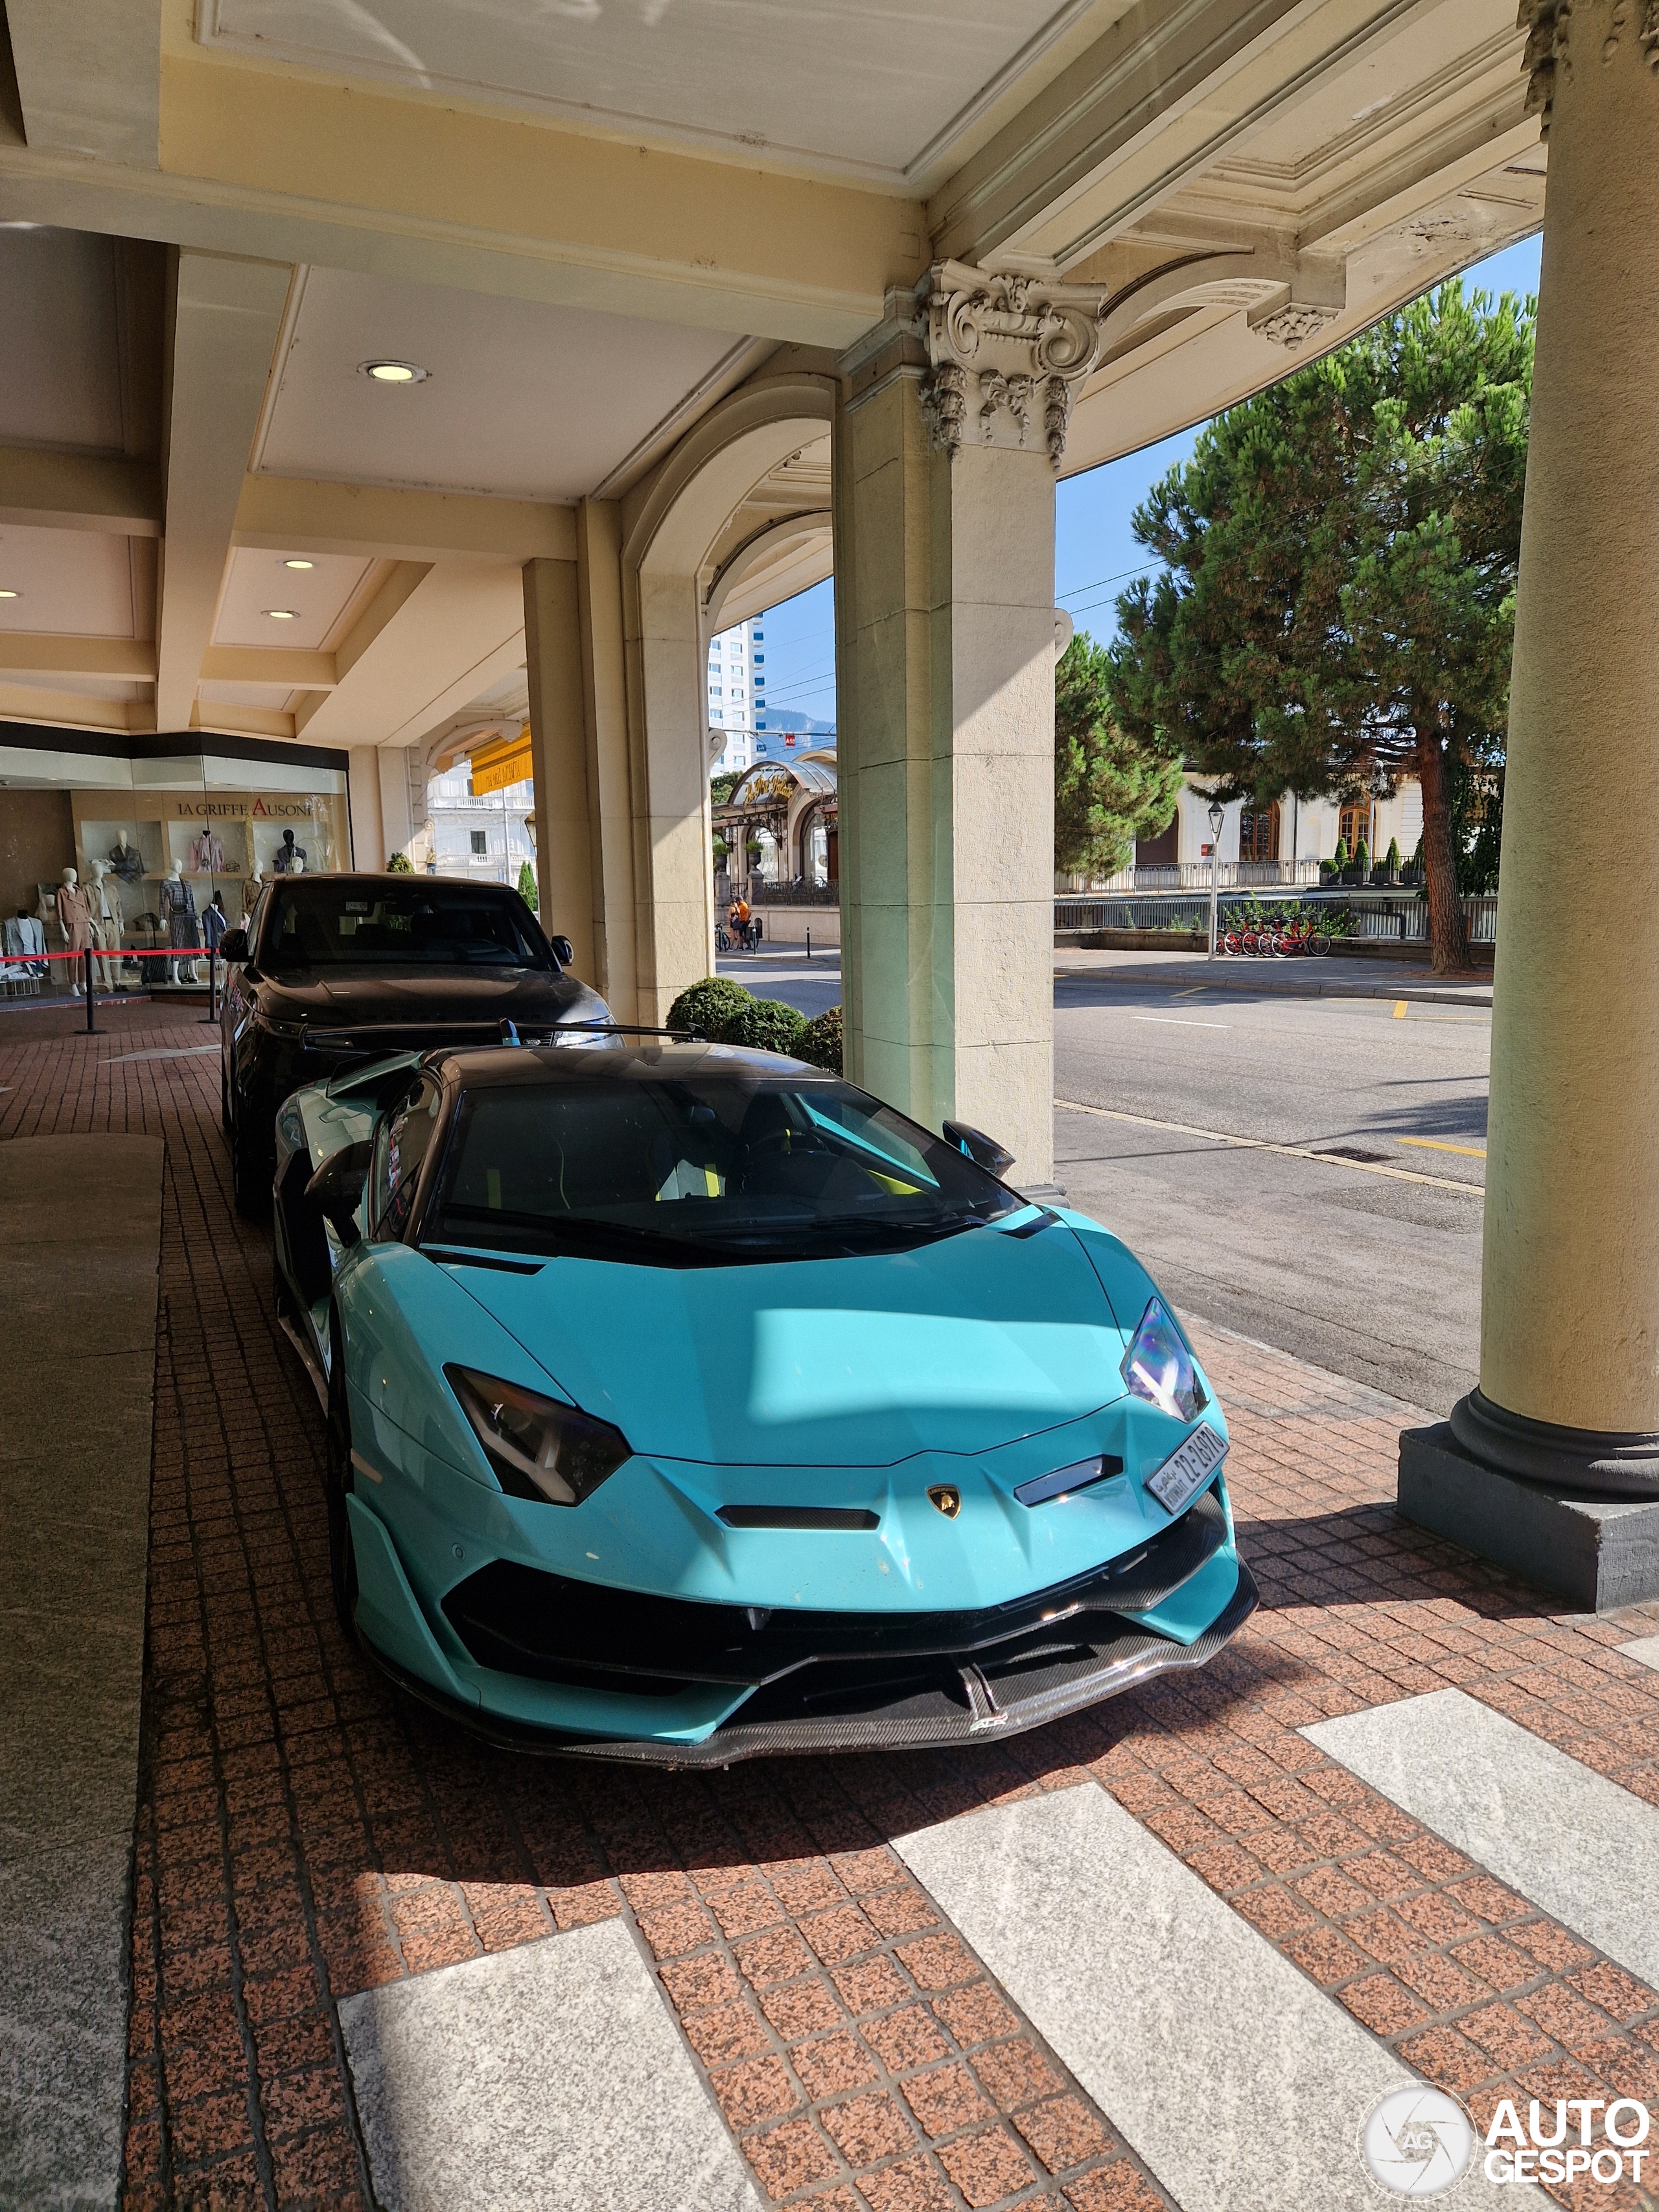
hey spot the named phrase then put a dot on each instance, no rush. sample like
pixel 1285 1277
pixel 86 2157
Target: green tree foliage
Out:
pixel 721 786
pixel 527 885
pixel 399 864
pixel 1109 787
pixel 1338 601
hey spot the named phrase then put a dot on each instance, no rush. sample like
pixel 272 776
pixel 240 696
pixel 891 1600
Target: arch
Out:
pixel 672 527
pixel 801 545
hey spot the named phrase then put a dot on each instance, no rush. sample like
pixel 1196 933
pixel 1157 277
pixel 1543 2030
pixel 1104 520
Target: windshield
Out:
pixel 697 1172
pixel 424 924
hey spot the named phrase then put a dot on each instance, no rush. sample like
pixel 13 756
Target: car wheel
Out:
pixel 336 1486
pixel 251 1164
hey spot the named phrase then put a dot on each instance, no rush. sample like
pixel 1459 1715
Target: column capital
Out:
pixel 1602 27
pixel 1006 352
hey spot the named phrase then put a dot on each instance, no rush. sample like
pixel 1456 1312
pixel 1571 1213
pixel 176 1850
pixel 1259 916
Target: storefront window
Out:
pixel 168 850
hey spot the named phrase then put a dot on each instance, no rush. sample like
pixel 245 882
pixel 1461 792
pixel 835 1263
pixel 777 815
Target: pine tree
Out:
pixel 1338 601
pixel 1110 788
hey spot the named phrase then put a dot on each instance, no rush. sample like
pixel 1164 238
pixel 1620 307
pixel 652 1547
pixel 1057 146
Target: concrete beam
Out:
pixel 431 643
pixel 41 489
pixel 281 513
pixel 70 710
pixel 88 76
pixel 226 316
pixel 21 654
pixel 265 664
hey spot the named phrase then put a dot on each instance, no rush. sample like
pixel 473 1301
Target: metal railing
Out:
pixel 1402 915
pixel 1194 876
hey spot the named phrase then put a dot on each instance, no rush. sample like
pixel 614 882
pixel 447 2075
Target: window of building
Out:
pixel 480 841
pixel 759 657
pixel 1258 833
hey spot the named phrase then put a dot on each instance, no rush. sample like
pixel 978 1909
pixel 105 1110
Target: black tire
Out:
pixel 337 1480
pixel 251 1164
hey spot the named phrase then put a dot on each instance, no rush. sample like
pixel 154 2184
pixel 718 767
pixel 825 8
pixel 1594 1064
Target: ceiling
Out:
pixel 70 583
pixel 318 597
pixel 520 400
pixel 61 313
pixel 866 86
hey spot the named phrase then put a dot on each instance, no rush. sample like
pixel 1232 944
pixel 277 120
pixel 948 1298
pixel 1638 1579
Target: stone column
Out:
pixel 952 424
pixel 1567 1416
pixel 604 715
pixel 369 847
pixel 558 751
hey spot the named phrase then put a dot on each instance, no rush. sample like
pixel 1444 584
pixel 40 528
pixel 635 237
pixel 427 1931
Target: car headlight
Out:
pixel 538 1448
pixel 1158 1367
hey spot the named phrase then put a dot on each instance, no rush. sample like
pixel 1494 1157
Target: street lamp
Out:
pixel 1218 816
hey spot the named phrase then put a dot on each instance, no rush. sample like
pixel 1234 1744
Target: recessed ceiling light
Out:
pixel 10 595
pixel 299 564
pixel 392 372
pixel 283 613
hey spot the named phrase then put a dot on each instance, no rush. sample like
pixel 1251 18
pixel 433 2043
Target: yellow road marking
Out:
pixel 1434 1145
pixel 1259 1144
pixel 1400 1006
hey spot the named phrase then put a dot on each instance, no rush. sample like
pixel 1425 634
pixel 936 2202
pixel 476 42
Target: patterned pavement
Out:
pixel 305 1835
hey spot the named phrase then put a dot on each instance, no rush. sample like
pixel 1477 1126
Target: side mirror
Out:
pixel 233 946
pixel 563 951
pixel 336 1189
pixel 984 1152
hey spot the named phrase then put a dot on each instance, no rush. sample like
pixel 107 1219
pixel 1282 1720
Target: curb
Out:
pixel 1286 987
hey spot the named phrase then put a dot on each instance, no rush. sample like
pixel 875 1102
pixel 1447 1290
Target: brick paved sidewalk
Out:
pixel 305 1835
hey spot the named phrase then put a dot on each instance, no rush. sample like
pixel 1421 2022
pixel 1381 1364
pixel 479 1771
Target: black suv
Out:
pixel 333 971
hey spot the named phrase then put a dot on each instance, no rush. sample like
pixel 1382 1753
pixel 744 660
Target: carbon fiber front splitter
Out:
pixel 988 1711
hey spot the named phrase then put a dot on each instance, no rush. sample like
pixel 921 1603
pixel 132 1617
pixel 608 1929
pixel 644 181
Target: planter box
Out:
pixel 1135 941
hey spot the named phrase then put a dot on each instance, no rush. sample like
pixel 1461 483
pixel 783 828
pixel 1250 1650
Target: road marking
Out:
pixel 549 2075
pixel 1241 2084
pixel 1196 992
pixel 1400 1007
pixel 1435 1144
pixel 1571 1842
pixel 1178 1021
pixel 1258 1144
pixel 1645 1648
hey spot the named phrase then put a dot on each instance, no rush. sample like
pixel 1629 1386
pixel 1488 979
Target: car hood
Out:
pixel 410 998
pixel 957 1346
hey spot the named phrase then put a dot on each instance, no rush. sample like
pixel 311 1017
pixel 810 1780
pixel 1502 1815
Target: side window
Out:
pixel 401 1148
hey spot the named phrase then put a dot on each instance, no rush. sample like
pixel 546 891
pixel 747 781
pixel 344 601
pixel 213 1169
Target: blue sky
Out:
pixel 1095 550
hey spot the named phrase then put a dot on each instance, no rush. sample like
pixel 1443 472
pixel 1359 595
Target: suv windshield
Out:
pixel 424 924
pixel 715 1169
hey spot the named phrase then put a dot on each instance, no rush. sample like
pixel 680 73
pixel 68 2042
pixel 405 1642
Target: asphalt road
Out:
pixel 1369 1266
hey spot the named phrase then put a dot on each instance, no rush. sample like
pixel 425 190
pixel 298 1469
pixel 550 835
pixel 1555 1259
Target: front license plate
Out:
pixel 1187 1469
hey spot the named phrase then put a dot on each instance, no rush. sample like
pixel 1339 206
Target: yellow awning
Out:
pixel 503 761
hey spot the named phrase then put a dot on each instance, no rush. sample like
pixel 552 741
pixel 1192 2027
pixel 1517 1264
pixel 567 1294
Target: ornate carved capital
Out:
pixel 1552 49
pixel 1293 325
pixel 1007 352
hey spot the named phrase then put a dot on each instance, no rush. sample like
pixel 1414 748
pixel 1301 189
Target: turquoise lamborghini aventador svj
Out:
pixel 686 1403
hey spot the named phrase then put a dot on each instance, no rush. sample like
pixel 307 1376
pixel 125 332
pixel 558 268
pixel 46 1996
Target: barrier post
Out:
pixel 91 1026
pixel 211 1015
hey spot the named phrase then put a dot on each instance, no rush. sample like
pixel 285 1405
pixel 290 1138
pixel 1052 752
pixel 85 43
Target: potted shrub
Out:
pixel 1353 872
pixel 1388 871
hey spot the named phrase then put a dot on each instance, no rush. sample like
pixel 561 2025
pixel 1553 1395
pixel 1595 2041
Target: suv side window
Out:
pixel 399 1154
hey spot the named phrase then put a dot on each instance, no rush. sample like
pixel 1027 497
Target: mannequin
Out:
pixel 297 864
pixel 25 945
pixel 178 904
pixel 75 919
pixel 103 897
pixel 214 921
pixel 127 860
pixel 251 890
pixel 290 858
pixel 207 855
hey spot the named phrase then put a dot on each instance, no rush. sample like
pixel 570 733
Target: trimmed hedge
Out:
pixel 709 1005
pixel 765 1025
pixel 821 1042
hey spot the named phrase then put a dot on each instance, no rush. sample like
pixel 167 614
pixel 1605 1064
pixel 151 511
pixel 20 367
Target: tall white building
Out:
pixel 737 692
